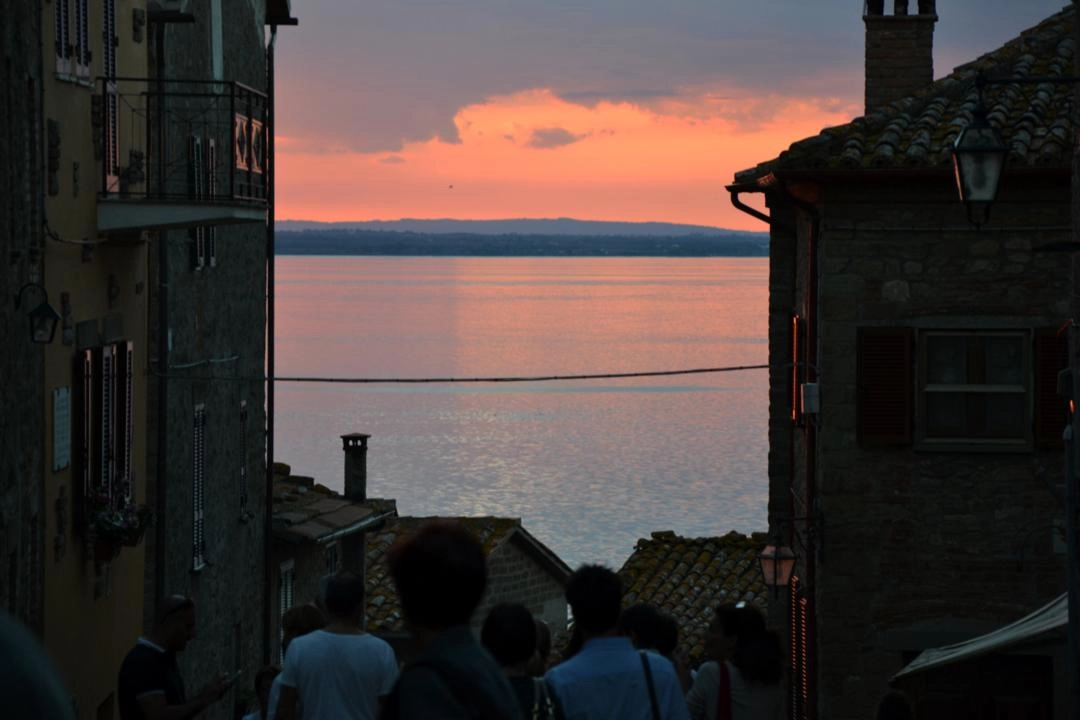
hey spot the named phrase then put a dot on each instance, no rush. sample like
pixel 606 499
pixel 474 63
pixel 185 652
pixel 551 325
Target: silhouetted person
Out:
pixel 608 678
pixel 297 621
pixel 339 672
pixel 32 686
pixel 149 686
pixel 543 647
pixel 509 634
pixel 264 680
pixel 440 574
pixel 746 672
pixel 650 629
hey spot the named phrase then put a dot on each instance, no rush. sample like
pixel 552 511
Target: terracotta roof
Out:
pixel 688 577
pixel 918 132
pixel 305 511
pixel 383 610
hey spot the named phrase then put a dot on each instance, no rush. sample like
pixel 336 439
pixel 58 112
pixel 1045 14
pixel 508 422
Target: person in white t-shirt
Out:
pixel 339 672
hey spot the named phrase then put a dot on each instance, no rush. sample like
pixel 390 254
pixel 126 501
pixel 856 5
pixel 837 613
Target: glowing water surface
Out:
pixel 589 466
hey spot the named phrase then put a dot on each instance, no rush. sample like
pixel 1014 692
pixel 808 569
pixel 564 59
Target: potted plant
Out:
pixel 116 522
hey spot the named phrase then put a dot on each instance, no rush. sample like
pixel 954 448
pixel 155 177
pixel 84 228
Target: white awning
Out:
pixel 1049 617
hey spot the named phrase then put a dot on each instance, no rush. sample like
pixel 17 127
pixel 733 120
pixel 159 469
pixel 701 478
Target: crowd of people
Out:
pixel 619 664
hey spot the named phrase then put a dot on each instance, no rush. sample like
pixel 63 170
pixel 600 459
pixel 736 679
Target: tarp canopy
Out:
pixel 1052 616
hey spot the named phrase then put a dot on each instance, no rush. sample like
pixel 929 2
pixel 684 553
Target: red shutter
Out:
pixel 1051 410
pixel 884 389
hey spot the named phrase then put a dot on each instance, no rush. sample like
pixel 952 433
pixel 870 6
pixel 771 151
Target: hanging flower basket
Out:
pixel 117 522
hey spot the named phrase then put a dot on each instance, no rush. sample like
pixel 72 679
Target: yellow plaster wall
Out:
pixel 90 620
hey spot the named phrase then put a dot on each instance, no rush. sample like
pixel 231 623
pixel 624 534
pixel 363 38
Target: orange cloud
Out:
pixel 533 154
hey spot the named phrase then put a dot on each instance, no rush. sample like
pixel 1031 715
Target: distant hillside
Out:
pixel 552 226
pixel 383 242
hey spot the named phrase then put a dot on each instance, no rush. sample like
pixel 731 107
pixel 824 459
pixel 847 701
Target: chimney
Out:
pixel 355 446
pixel 899 50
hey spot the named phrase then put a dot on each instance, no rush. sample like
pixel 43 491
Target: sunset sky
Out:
pixel 629 110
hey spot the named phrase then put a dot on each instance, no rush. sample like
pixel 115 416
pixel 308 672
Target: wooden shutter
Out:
pixel 196 192
pixel 125 419
pixel 884 389
pixel 63 37
pixel 105 435
pixel 84 431
pixel 1051 410
pixel 243 459
pixel 798 366
pixel 198 539
pixel 82 38
pixel 210 248
pixel 112 106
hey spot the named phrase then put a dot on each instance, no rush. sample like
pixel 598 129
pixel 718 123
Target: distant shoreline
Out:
pixel 361 242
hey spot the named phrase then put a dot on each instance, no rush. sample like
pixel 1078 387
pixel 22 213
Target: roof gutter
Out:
pixel 358 526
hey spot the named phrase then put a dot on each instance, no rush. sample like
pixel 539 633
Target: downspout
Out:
pixel 268 520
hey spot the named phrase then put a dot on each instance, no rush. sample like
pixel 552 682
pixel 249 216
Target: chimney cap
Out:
pixel 355 435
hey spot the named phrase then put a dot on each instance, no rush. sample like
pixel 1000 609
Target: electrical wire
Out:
pixel 464 380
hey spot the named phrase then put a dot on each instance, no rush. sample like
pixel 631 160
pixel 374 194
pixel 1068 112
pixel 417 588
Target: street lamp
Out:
pixel 777 565
pixel 978 158
pixel 43 318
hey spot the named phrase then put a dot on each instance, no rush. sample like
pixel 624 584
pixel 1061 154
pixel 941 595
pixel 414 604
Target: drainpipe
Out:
pixel 811 312
pixel 268 520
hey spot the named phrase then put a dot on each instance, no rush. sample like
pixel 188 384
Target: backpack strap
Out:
pixel 649 682
pixel 723 694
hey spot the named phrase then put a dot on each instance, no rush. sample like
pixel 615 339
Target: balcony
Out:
pixel 179 153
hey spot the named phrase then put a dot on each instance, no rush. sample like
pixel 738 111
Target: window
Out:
pixel 332 558
pixel 974 387
pixel 62 39
pixel 112 110
pixel 105 421
pixel 242 474
pixel 286 579
pixel 202 186
pixel 949 389
pixel 198 547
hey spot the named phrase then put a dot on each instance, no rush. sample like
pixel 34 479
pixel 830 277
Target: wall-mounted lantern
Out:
pixel 777 565
pixel 43 318
pixel 978 159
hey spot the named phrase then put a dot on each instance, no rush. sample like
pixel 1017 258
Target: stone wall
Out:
pixel 515 576
pixel 918 548
pixel 21 362
pixel 217 327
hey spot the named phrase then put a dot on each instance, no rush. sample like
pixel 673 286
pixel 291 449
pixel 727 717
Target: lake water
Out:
pixel 590 465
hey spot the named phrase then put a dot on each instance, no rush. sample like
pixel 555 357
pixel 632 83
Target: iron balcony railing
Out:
pixel 192 141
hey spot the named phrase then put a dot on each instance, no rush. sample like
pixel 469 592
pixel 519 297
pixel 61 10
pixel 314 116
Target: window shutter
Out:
pixel 84 425
pixel 125 420
pixel 1051 410
pixel 210 249
pixel 198 481
pixel 243 459
pixel 112 107
pixel 82 38
pixel 196 189
pixel 105 442
pixel 884 386
pixel 798 366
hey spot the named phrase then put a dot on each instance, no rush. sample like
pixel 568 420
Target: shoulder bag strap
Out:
pixel 649 682
pixel 723 695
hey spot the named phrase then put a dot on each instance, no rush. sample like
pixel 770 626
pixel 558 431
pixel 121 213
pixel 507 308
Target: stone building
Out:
pixel 208 99
pixel 688 578
pixel 318 532
pixel 92 438
pixel 915 460
pixel 520 569
pixel 22 423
